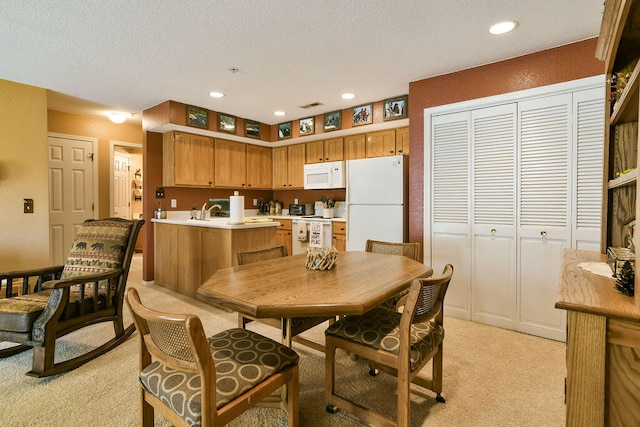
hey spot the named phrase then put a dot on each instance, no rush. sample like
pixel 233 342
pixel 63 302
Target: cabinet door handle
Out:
pixel 248 185
pixel 399 151
pixel 391 151
pixel 320 159
pixel 493 231
pixel 543 233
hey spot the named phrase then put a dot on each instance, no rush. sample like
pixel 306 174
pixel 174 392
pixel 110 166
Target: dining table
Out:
pixel 285 288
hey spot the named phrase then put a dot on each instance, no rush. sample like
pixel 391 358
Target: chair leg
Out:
pixel 43 359
pixel 404 399
pixel 293 411
pixel 329 372
pixel 436 374
pixel 146 412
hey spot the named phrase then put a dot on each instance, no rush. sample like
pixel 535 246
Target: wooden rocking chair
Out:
pixel 41 305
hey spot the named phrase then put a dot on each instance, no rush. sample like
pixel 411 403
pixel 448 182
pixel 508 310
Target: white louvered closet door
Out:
pixel 493 142
pixel 588 107
pixel 544 198
pixel 450 135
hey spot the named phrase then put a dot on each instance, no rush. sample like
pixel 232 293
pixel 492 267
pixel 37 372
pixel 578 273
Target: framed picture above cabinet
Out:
pixel 284 130
pixel 252 129
pixel 332 121
pixel 197 117
pixel 226 123
pixel 362 115
pixel 307 126
pixel 395 108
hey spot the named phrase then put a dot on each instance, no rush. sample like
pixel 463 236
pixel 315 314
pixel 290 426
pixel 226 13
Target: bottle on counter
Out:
pixel 161 213
pixel 193 211
pixel 278 208
pixel 272 208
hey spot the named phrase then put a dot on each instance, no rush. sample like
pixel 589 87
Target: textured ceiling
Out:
pixel 132 55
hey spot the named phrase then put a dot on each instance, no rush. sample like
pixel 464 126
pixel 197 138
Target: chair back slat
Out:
pixel 250 257
pixel 430 298
pixel 409 250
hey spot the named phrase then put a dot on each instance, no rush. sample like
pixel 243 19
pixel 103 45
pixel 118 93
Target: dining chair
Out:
pixel 410 250
pixel 194 380
pixel 298 324
pixel 400 344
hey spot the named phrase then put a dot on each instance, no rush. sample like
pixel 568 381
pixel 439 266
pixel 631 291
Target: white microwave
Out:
pixel 318 176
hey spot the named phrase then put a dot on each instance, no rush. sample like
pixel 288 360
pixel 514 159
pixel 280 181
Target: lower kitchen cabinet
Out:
pixel 283 234
pixel 185 255
pixel 340 236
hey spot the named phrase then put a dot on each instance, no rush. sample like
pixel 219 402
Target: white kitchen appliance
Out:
pixel 326 175
pixel 377 201
pixel 301 231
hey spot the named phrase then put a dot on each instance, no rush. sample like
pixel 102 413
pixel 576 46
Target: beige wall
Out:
pixel 104 131
pixel 24 238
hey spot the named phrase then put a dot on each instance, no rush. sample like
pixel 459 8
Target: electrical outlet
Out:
pixel 255 202
pixel 295 201
pixel 174 203
pixel 160 193
pixel 28 205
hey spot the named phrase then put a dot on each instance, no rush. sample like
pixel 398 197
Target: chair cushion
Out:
pixel 17 314
pixel 243 359
pixel 380 328
pixel 99 247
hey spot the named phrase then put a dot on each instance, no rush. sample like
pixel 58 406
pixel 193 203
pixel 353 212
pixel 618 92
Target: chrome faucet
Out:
pixel 213 210
pixel 204 210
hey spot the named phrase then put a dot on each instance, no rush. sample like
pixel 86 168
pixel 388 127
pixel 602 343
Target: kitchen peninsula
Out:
pixel 187 252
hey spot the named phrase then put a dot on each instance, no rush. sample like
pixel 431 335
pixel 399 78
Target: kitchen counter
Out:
pixel 277 217
pixel 221 222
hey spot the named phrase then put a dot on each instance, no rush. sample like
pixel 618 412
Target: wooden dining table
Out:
pixel 284 288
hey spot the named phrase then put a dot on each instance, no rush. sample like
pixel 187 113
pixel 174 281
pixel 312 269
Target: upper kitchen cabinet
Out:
pixel 329 150
pixel 355 147
pixel 230 164
pixel 288 167
pixel 382 143
pixel 314 152
pixel 259 167
pixel 187 160
pixel 402 140
pixel 333 149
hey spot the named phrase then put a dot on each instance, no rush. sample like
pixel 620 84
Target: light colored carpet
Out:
pixel 492 377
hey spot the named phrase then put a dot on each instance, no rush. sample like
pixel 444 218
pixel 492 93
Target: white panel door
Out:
pixel 493 280
pixel 544 201
pixel 71 195
pixel 449 198
pixel 121 185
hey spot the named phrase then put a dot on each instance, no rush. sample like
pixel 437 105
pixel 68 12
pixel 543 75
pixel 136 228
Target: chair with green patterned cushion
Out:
pixel 400 344
pixel 41 305
pixel 194 380
pixel 298 324
pixel 410 250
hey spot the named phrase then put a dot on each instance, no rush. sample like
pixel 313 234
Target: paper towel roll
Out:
pixel 236 209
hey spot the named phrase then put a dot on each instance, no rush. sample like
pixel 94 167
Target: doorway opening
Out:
pixel 126 182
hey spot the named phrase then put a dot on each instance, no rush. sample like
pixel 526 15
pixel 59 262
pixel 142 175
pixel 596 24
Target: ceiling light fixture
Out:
pixel 215 94
pixel 117 117
pixel 503 27
pixel 348 95
pixel 279 113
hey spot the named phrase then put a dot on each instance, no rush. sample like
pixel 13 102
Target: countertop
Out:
pixel 590 293
pixel 219 222
pixel 277 217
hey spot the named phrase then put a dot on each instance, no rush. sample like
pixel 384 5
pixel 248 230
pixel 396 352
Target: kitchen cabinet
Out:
pixel 186 255
pixel 283 234
pixel 333 149
pixel 230 164
pixel 340 236
pixel 280 168
pixel 402 140
pixel 314 152
pixel 381 143
pixel 288 167
pixel 259 167
pixel 355 147
pixel 187 160
pixel 329 150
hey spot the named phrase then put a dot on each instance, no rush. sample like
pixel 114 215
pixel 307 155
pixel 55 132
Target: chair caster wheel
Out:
pixel 331 409
pixel 439 398
pixel 373 372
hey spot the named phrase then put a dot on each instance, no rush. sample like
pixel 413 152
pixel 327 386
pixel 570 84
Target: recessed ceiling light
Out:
pixel 503 27
pixel 117 117
pixel 216 94
pixel 279 113
pixel 348 95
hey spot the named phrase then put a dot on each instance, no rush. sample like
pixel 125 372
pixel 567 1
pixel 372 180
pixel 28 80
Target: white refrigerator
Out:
pixel 377 196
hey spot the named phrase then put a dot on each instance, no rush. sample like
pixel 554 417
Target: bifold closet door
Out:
pixel 449 201
pixel 493 230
